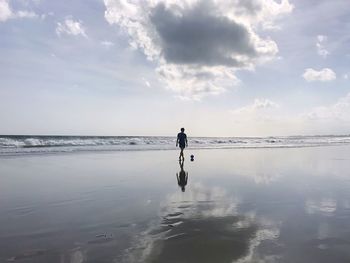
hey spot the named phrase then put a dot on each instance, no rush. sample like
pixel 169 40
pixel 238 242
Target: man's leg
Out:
pixel 182 153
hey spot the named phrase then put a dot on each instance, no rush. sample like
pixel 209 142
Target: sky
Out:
pixel 150 67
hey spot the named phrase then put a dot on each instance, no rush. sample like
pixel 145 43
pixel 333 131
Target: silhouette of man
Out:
pixel 182 142
pixel 182 176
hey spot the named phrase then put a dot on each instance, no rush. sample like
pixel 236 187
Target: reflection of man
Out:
pixel 182 176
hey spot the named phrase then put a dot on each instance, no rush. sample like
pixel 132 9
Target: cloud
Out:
pixel 107 44
pixel 264 104
pixel 7 13
pixel 259 112
pixel 199 45
pixel 259 105
pixel 25 14
pixel 198 38
pixel 321 50
pixel 269 117
pixel 339 111
pixel 270 12
pixel 70 27
pixel 191 82
pixel 146 82
pixel 325 74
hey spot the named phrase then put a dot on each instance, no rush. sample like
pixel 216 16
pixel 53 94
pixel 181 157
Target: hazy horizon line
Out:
pixel 195 136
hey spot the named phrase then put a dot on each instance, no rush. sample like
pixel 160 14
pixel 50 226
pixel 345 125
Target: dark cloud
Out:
pixel 196 36
pixel 198 45
pixel 250 7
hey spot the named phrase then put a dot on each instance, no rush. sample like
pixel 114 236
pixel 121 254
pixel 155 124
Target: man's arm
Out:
pixel 186 141
pixel 177 140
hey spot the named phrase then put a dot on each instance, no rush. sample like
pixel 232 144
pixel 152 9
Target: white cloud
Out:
pixel 7 13
pixel 340 111
pixel 107 44
pixel 198 45
pixel 264 104
pixel 192 83
pixel 325 74
pixel 346 76
pixel 259 110
pixel 70 27
pixel 321 50
pixel 272 11
pixel 146 82
pixel 25 14
pixel 258 105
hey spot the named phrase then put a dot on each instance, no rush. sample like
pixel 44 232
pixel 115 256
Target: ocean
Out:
pixel 31 144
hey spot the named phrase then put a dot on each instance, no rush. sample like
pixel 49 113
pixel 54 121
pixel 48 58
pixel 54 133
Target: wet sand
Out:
pixel 238 205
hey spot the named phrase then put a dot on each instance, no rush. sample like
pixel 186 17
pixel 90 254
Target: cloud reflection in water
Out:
pixel 201 225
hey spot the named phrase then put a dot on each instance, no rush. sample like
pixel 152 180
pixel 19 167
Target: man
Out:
pixel 182 142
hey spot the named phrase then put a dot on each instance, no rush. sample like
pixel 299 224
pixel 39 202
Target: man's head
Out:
pixel 182 129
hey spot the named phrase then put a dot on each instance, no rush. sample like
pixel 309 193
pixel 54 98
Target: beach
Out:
pixel 237 205
pixel 175 131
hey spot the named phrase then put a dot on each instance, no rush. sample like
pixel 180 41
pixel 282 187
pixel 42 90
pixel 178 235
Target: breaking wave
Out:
pixel 40 144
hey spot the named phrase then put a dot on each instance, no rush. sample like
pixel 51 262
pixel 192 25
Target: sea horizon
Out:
pixel 195 136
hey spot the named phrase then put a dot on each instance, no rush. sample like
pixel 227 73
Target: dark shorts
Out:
pixel 182 145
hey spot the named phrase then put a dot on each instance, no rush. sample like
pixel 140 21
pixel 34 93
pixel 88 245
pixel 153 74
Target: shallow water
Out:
pixel 239 205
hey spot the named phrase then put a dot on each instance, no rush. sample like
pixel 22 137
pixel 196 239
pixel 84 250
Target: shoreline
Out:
pixel 105 151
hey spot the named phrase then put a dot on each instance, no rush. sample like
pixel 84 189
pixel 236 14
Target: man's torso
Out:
pixel 182 137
